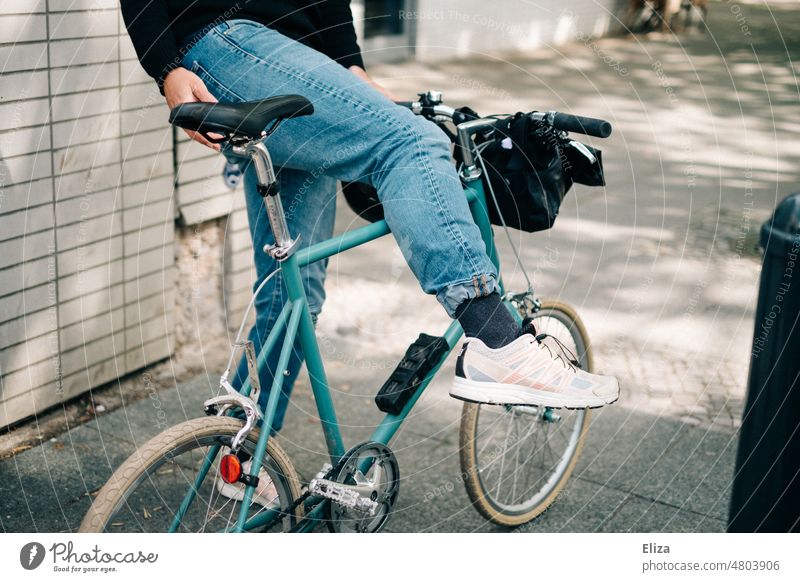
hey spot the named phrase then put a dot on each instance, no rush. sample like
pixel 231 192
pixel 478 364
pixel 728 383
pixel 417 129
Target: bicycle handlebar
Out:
pixel 580 124
pixel 430 106
pixel 560 121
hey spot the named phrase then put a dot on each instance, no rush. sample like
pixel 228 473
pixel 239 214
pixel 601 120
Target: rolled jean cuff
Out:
pixel 454 295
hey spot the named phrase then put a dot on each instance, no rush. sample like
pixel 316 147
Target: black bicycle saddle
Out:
pixel 248 119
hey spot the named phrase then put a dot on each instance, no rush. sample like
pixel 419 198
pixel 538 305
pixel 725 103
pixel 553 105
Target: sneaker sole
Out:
pixel 511 394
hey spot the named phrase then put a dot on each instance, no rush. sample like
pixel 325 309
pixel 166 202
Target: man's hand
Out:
pixel 183 86
pixel 362 74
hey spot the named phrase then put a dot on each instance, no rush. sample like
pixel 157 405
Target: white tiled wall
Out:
pixel 87 215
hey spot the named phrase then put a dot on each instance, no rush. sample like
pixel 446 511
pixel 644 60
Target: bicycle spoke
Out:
pixel 505 449
pixel 497 425
pixel 516 468
pixel 493 460
pixel 531 431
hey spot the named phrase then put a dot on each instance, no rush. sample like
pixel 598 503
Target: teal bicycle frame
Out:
pixel 296 320
pixel 300 323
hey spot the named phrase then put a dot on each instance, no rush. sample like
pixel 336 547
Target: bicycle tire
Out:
pixel 491 508
pixel 142 467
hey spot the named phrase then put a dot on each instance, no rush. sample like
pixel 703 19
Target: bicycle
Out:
pixel 643 16
pixel 514 459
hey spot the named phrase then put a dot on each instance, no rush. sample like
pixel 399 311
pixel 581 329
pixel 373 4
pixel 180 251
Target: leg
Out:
pixel 310 205
pixel 356 134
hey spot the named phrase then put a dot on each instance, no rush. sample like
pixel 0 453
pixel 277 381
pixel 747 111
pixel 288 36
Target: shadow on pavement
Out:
pixel 638 472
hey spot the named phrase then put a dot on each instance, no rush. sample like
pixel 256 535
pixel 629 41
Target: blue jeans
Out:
pixel 355 135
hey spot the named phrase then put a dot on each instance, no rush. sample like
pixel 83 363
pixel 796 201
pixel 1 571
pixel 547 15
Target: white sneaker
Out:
pixel 265 494
pixel 527 372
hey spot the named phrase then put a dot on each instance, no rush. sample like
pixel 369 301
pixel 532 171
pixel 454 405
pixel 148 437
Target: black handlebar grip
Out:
pixel 585 125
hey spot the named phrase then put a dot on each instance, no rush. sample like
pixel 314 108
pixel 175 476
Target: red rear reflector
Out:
pixel 230 469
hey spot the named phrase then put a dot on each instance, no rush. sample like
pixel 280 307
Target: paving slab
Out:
pixel 140 421
pixel 661 459
pixel 48 488
pixel 626 477
pixel 638 515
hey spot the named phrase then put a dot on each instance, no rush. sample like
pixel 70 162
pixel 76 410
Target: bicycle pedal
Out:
pixel 326 468
pixel 420 357
pixel 342 495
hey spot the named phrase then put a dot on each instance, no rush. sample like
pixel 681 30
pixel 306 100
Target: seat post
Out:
pixel 284 245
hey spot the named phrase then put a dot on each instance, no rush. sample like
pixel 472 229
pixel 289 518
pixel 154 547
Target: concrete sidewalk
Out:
pixel 637 472
pixel 660 264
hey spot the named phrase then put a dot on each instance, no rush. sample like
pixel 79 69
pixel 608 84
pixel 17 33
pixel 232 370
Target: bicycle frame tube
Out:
pixel 387 428
pixel 391 423
pixel 316 370
pixel 298 308
pixel 351 239
pixel 290 269
pixel 341 243
pixel 300 325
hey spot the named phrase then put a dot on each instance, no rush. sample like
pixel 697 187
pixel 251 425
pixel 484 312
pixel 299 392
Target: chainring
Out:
pixel 372 467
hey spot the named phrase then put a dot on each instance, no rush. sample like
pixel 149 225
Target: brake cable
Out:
pixel 514 249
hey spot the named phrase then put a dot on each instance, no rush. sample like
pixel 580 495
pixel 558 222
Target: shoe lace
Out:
pixel 567 357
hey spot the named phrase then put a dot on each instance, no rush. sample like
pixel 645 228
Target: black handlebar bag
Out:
pixel 531 167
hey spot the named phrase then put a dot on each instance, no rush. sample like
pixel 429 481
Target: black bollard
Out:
pixel 766 485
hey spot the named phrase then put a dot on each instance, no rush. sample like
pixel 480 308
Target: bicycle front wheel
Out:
pixel 171 484
pixel 515 460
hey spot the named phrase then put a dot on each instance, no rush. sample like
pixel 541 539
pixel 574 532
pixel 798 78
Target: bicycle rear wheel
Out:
pixel 146 492
pixel 515 460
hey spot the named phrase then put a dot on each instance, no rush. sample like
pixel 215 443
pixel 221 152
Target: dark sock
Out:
pixel 487 319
